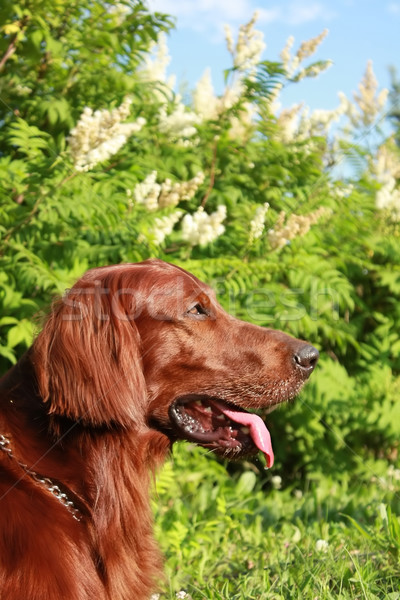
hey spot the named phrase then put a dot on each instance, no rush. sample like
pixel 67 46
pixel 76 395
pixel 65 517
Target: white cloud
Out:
pixel 209 16
pixel 305 12
pixel 189 11
pixel 394 8
pixel 269 15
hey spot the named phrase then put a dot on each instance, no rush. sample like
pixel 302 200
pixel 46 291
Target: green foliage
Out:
pixel 331 277
pixel 230 537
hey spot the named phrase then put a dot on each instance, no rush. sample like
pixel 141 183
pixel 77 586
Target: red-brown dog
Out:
pixel 134 357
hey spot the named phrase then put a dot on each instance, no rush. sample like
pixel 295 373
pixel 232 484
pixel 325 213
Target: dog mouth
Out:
pixel 223 427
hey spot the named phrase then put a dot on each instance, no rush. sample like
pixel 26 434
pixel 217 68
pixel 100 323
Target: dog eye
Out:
pixel 197 310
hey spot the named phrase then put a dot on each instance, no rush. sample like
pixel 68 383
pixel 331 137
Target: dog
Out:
pixel 132 358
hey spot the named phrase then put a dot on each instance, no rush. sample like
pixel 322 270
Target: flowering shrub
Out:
pixel 292 215
pixel 99 135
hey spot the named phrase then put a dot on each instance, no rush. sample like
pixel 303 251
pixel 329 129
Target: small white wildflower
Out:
pixel 257 223
pixel 321 546
pixel 298 494
pixel 276 482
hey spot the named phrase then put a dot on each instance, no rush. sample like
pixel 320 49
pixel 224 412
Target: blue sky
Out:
pixel 358 30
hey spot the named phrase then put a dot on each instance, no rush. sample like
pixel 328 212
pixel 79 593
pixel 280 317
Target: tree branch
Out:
pixel 212 174
pixel 9 52
pixel 13 44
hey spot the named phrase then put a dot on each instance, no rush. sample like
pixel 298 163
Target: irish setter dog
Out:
pixel 131 359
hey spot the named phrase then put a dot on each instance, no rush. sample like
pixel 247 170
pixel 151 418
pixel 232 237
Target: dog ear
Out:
pixel 88 358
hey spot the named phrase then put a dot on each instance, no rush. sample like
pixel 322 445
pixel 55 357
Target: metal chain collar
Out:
pixel 45 481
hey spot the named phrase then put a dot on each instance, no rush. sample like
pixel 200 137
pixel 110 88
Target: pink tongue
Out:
pixel 259 433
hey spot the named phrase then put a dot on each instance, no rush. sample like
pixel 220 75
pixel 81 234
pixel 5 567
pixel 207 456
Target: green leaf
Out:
pixel 22 333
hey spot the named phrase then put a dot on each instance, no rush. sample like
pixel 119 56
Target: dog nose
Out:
pixel 306 357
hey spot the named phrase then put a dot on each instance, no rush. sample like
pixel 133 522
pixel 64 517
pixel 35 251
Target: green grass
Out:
pixel 231 535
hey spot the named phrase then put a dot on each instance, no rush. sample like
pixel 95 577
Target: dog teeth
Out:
pixel 220 417
pixel 208 409
pixel 245 430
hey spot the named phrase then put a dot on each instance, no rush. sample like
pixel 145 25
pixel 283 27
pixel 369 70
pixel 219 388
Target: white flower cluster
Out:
pixel 387 160
pixel 276 482
pixel 296 123
pixel 319 121
pixel 388 198
pixel 163 226
pixel 179 596
pixel 387 171
pixel 369 101
pixel 307 49
pixel 22 90
pixel 119 10
pixel 155 63
pixel 172 193
pixel 167 194
pixel 342 191
pixel 321 546
pixel 258 222
pixel 249 46
pixel 295 226
pixel 179 124
pixel 242 124
pixel 393 473
pixel 201 228
pixel 288 122
pixel 314 70
pixel 205 103
pixel 209 106
pixel 154 69
pixel 148 191
pixel 100 134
